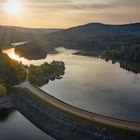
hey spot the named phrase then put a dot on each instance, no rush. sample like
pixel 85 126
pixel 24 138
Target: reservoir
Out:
pixel 93 84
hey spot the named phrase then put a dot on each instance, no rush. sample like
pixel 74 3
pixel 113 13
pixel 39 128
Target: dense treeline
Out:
pixel 129 66
pixel 11 72
pixel 128 53
pixel 41 75
pixel 89 38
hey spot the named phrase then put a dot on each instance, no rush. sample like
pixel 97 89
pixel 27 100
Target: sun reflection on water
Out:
pixel 11 53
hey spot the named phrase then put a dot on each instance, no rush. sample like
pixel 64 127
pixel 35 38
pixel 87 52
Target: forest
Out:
pixel 11 73
pixel 42 74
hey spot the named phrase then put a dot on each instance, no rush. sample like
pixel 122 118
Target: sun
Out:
pixel 13 7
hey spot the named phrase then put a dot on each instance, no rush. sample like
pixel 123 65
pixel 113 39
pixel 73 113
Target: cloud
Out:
pixel 73 12
pixel 72 7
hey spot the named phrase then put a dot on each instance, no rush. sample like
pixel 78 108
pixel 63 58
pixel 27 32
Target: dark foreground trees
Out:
pixel 11 71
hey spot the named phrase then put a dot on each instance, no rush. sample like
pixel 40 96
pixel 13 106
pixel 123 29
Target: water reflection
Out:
pixel 11 54
pixel 132 67
pixel 14 126
pixel 5 113
pixel 129 66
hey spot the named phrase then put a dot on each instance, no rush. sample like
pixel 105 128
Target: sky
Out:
pixel 68 13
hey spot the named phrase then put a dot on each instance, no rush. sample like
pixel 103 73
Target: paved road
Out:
pixel 78 112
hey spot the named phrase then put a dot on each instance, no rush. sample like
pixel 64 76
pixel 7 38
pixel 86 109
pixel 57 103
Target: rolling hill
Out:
pixel 11 34
pixel 91 37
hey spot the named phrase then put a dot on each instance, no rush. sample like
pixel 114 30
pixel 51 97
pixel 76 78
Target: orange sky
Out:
pixel 67 13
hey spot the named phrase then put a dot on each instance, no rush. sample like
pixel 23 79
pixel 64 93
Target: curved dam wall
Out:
pixel 63 126
pixel 71 110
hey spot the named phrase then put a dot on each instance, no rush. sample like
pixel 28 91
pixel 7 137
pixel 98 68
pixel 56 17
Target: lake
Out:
pixel 14 126
pixel 94 85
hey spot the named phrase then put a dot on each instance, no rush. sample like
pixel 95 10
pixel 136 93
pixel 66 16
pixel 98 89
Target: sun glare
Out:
pixel 12 54
pixel 13 7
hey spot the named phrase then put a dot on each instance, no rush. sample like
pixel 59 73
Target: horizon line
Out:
pixel 29 27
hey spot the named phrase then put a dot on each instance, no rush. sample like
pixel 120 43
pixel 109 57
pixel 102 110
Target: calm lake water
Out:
pixel 94 85
pixel 14 126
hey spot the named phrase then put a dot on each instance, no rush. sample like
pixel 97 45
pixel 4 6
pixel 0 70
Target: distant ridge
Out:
pixel 101 26
pixel 90 37
pixel 11 34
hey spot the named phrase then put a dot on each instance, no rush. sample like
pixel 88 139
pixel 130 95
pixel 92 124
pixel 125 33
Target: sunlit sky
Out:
pixel 67 13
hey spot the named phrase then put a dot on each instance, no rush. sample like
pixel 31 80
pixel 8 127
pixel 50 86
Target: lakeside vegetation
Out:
pixel 11 73
pixel 41 75
pixel 127 56
pixel 128 53
pixel 124 58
